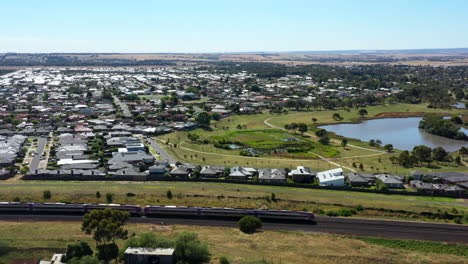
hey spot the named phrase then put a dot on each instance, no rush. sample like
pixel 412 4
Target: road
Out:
pixel 161 151
pixel 41 143
pixel 123 106
pixel 346 226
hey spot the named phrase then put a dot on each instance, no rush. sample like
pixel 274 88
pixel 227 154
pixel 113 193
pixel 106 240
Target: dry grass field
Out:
pixel 42 239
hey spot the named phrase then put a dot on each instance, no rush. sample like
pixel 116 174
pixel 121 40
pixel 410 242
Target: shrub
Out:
pixel 223 260
pixel 46 194
pixel 249 224
pixel 78 250
pixel 359 207
pixel 190 250
pixel 131 194
pixel 318 211
pixel 346 212
pixel 109 198
pixel 98 194
pixel 332 213
pixel 169 194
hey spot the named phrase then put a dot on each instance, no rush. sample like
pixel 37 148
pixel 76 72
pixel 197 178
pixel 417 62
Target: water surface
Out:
pixel 403 133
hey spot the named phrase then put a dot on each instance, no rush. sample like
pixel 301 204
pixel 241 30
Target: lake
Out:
pixel 403 133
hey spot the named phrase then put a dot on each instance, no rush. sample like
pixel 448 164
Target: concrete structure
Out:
pixel 134 255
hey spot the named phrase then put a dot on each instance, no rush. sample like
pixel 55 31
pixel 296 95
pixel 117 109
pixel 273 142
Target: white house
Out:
pixel 333 177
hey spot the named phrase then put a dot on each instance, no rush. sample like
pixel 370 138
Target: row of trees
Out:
pixel 421 154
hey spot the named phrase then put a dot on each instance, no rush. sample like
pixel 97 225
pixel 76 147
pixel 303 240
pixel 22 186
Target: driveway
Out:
pixel 41 143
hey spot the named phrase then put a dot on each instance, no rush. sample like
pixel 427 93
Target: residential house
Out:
pixel 272 175
pixel 332 177
pixel 302 174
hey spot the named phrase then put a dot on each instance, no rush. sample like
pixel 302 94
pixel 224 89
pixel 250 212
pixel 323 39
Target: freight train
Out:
pixel 159 211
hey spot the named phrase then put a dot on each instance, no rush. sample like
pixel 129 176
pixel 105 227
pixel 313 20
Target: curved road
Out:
pixel 346 226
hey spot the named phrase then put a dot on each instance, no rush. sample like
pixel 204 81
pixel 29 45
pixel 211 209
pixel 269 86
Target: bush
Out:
pixel 46 195
pixel 190 250
pixel 223 260
pixel 109 198
pixel 78 250
pixel 249 224
pixel 107 252
pixel 332 213
pixel 346 212
pixel 150 240
pixel 169 194
pixel 131 195
pixel 319 211
pixel 359 207
pixel 98 194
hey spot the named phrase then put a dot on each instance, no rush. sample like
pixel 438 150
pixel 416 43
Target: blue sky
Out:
pixel 230 26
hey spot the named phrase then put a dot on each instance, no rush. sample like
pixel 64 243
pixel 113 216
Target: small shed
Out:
pixel 137 255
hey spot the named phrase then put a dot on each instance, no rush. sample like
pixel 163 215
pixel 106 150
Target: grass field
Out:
pixel 188 151
pixel 42 239
pixel 235 195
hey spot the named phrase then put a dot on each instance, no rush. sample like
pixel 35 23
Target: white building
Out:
pixel 333 177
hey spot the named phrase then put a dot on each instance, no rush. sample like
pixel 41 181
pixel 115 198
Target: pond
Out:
pixel 403 133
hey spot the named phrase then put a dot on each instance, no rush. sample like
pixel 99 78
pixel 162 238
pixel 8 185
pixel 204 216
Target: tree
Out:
pixel 249 224
pixel 169 194
pixel 78 250
pixel 98 194
pixel 422 153
pixel 302 128
pixel 388 148
pixel 216 116
pixel 439 154
pixel 109 198
pixel 106 226
pixel 203 119
pixel 46 195
pixel 362 112
pixel 344 142
pixel 336 116
pixel 321 132
pixel 380 186
pixel 190 250
pixel 149 240
pixel 404 159
pixel 361 166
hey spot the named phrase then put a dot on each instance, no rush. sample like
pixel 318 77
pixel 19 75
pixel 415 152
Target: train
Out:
pixel 156 211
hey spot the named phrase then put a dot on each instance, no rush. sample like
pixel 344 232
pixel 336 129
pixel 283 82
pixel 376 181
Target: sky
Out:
pixel 194 26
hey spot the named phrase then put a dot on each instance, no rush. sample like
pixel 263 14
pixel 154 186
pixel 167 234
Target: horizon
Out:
pixel 363 51
pixel 241 27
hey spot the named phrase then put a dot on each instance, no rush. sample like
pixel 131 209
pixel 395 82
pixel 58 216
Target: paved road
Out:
pixel 123 106
pixel 161 151
pixel 347 226
pixel 41 143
